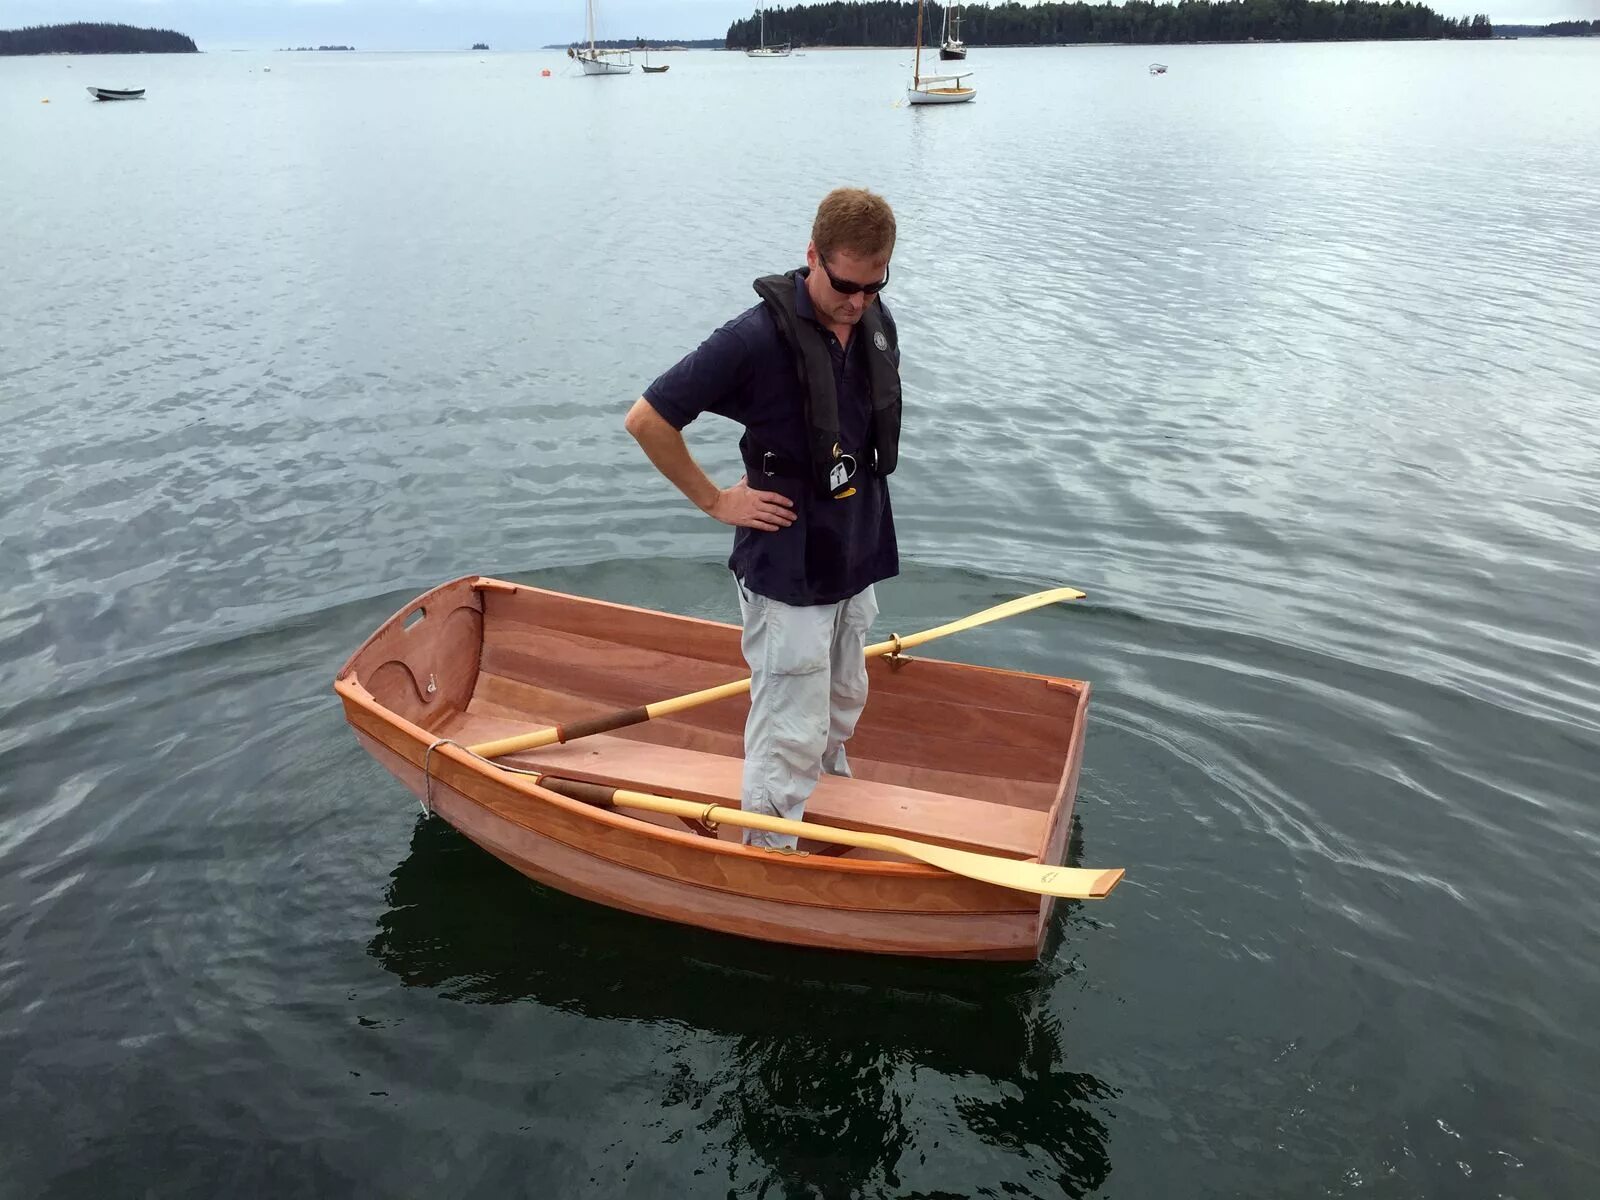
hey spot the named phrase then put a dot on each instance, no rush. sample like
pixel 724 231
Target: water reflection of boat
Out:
pixel 824 1056
pixel 972 759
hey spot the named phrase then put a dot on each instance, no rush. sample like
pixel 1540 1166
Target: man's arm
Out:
pixel 738 505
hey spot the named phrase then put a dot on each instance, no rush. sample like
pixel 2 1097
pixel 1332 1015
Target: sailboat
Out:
pixel 950 44
pixel 764 50
pixel 649 70
pixel 935 89
pixel 596 61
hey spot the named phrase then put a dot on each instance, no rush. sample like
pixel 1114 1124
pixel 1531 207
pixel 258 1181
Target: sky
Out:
pixel 504 24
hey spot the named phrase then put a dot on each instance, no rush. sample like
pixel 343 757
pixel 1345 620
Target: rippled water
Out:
pixel 1286 357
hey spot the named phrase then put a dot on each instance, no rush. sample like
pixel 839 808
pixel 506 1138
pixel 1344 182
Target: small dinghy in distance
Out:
pixel 954 764
pixel 100 93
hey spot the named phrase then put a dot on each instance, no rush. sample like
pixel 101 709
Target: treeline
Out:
pixel 894 23
pixel 1558 29
pixel 647 43
pixel 85 38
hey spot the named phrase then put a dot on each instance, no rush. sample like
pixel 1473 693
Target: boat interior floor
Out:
pixel 627 760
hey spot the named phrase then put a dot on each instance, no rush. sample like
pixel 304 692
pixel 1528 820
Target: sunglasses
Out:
pixel 846 288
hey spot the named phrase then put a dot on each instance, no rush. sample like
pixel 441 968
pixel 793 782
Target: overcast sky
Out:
pixel 504 24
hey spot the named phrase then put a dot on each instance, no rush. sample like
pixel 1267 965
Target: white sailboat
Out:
pixel 597 61
pixel 764 50
pixel 935 89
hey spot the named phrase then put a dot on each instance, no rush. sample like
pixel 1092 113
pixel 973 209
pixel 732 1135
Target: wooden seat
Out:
pixel 859 804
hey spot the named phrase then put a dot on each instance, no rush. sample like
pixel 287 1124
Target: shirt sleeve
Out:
pixel 710 378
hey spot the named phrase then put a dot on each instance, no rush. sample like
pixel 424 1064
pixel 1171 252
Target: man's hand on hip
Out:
pixel 741 504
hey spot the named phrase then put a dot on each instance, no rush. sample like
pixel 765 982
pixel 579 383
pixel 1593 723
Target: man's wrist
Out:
pixel 707 499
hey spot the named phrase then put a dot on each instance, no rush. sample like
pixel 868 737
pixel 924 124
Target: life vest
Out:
pixel 813 362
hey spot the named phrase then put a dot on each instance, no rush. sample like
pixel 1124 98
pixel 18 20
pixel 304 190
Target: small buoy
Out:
pixel 545 72
pixel 45 101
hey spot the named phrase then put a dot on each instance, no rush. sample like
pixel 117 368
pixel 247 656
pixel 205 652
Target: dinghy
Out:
pixel 100 93
pixel 533 722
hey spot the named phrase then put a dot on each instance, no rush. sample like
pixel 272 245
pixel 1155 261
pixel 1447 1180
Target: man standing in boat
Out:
pixel 812 373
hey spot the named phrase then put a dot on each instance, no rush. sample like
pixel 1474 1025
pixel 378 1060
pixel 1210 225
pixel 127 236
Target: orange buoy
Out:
pixel 545 72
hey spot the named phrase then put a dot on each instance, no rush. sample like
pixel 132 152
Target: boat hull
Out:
pixel 116 94
pixel 601 66
pixel 940 95
pixel 952 53
pixel 445 673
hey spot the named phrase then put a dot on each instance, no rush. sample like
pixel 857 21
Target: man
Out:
pixel 812 373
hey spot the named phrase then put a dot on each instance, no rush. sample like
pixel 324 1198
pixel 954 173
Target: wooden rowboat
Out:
pixel 950 755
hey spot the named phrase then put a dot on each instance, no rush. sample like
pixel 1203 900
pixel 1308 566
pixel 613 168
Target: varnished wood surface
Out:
pixel 810 901
pixel 933 732
pixel 979 825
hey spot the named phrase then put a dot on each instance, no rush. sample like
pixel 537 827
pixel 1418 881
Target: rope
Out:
pixel 427 800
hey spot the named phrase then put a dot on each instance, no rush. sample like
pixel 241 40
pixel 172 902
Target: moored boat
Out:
pixel 936 89
pixel 762 50
pixel 951 47
pixel 594 59
pixel 100 93
pixel 964 762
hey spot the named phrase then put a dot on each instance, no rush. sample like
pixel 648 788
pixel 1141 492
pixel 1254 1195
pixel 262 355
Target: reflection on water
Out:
pixel 822 1056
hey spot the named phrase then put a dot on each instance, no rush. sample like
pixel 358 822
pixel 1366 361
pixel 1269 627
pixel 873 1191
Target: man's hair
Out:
pixel 855 220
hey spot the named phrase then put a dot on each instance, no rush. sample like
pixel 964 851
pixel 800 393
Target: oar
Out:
pixel 661 708
pixel 1070 883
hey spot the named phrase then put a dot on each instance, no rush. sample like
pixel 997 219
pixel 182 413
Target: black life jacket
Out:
pixel 814 365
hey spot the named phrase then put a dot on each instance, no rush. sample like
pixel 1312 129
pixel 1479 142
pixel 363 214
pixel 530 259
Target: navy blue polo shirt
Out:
pixel 745 372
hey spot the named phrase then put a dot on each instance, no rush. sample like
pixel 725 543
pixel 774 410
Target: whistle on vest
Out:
pixel 840 474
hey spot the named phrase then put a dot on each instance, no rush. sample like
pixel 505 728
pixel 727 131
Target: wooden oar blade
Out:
pixel 998 612
pixel 1067 883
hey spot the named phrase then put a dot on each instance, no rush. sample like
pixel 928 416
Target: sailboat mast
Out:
pixel 590 7
pixel 763 29
pixel 916 71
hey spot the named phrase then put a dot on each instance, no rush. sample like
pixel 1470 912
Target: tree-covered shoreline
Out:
pixel 1140 22
pixel 1554 29
pixel 94 38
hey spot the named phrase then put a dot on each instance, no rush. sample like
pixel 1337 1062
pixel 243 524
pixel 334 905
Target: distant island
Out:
pixel 480 45
pixel 1557 29
pixel 894 23
pixel 298 49
pixel 87 38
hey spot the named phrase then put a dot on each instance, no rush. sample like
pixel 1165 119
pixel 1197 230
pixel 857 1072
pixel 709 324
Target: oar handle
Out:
pixel 563 733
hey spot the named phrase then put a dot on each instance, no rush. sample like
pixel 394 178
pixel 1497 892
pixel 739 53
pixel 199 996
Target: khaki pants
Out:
pixel 808 685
